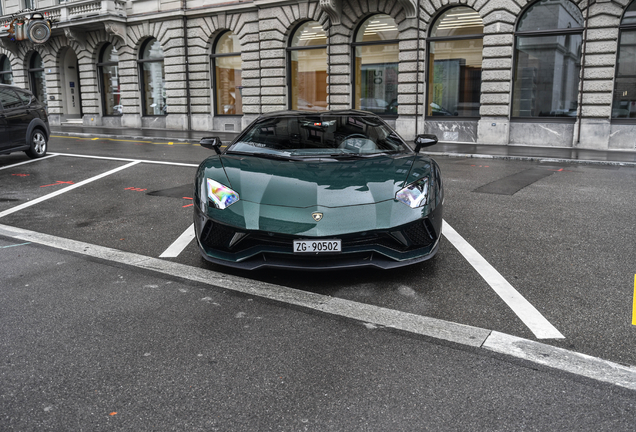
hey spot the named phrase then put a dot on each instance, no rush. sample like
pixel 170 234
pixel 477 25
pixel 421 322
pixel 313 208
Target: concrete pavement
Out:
pixel 91 344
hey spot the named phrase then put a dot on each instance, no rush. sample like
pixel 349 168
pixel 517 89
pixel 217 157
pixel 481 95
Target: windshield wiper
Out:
pixel 354 155
pixel 266 155
pixel 340 156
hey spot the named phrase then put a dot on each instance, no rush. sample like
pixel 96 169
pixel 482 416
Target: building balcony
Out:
pixel 83 15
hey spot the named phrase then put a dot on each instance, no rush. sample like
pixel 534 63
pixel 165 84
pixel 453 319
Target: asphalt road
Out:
pixel 84 338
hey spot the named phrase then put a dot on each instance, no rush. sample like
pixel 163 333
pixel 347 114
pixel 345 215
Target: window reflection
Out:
pixel 376 66
pixel 111 91
pixel 454 84
pixel 6 75
pixel 547 65
pixel 153 82
pixel 228 69
pixel 550 15
pixel 308 68
pixel 37 79
pixel 624 104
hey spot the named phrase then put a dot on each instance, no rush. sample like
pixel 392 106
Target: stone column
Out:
pixel 598 76
pixel 200 75
pixel 251 75
pixel 340 68
pixel 173 44
pixel 53 88
pixel 273 24
pixel 411 86
pixel 129 82
pixel 89 83
pixel 496 77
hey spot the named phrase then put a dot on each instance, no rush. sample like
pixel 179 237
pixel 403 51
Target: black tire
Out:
pixel 39 144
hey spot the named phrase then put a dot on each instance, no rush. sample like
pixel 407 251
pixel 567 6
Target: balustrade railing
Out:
pixel 69 11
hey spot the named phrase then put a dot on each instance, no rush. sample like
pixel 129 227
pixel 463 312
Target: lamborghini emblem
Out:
pixel 317 216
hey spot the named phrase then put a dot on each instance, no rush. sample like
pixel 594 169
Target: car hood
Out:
pixel 328 182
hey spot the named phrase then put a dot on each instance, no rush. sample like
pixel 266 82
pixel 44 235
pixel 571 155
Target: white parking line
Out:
pixel 66 189
pixel 128 160
pixel 478 338
pixel 530 316
pixel 179 244
pixel 27 162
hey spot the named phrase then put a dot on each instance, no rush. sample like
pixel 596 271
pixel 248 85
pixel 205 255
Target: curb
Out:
pixel 371 316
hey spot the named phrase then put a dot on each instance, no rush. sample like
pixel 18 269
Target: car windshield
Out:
pixel 319 135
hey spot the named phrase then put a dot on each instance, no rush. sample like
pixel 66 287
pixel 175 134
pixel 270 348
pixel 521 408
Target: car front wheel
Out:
pixel 38 144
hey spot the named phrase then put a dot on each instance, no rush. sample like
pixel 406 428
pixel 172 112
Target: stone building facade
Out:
pixel 534 72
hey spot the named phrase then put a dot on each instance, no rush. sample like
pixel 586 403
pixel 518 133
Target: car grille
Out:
pixel 217 236
pixel 415 235
pixel 420 233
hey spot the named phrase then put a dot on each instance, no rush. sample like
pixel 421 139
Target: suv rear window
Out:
pixel 27 98
pixel 9 99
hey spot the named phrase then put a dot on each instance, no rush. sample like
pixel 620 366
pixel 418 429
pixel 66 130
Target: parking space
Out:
pixel 565 241
pixel 561 235
pixel 140 209
pixel 23 182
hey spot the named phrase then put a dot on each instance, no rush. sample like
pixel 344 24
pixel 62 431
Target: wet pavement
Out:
pixel 116 341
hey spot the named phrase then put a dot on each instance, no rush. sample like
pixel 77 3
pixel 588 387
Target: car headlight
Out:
pixel 221 196
pixel 414 195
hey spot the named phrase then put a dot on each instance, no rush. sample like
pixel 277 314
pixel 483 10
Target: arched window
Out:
pixel 307 53
pixel 153 79
pixel 548 60
pixel 226 63
pixel 454 63
pixel 375 78
pixel 111 93
pixel 624 105
pixel 36 77
pixel 6 76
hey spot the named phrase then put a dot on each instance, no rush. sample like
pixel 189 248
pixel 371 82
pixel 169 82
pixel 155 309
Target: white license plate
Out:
pixel 317 246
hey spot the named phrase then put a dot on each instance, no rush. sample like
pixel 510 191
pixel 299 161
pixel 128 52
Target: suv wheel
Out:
pixel 38 144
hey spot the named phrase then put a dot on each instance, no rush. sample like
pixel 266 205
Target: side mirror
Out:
pixel 424 140
pixel 212 143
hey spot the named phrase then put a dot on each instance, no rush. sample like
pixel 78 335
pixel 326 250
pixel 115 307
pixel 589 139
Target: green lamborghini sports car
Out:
pixel 324 190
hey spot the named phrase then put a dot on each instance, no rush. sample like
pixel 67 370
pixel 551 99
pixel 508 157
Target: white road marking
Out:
pixel 64 190
pixel 127 160
pixel 368 315
pixel 562 359
pixel 530 316
pixel 179 244
pixel 383 317
pixel 28 162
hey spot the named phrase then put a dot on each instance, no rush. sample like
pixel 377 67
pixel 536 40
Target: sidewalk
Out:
pixel 521 152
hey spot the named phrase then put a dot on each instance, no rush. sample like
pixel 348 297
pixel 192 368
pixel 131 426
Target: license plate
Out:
pixel 317 246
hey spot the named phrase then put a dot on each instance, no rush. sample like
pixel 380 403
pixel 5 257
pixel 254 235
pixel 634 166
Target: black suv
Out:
pixel 24 125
